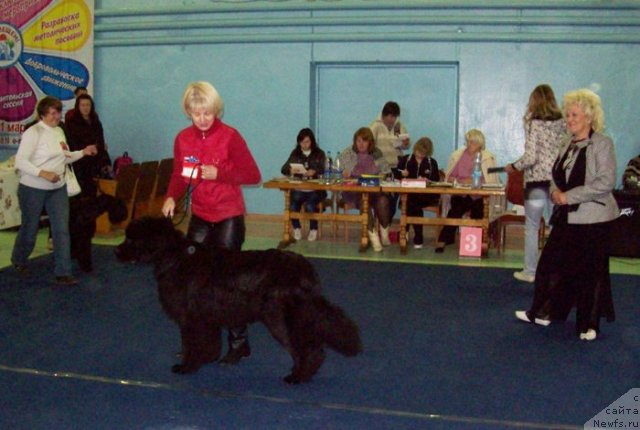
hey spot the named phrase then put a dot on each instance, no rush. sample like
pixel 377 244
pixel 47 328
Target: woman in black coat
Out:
pixel 308 154
pixel 83 129
pixel 420 165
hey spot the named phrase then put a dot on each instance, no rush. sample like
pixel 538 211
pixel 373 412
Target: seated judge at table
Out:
pixel 459 170
pixel 420 165
pixel 362 158
pixel 311 157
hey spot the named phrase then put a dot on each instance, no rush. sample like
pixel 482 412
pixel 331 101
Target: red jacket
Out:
pixel 225 148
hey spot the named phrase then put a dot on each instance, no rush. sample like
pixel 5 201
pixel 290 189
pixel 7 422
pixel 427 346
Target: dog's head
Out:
pixel 115 208
pixel 85 209
pixel 147 239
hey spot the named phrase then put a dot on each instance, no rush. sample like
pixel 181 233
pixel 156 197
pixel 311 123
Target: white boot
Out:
pixel 384 236
pixel 375 241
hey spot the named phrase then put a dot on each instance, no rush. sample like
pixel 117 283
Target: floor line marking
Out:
pixel 333 406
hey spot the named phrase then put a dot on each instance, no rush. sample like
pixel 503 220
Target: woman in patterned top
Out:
pixel 544 127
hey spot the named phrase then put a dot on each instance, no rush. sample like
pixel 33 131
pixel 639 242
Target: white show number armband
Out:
pixel 190 167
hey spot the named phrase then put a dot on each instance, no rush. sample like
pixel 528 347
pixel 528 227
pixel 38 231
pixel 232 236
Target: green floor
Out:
pixel 331 248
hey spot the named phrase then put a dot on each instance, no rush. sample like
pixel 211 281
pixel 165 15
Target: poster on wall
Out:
pixel 46 49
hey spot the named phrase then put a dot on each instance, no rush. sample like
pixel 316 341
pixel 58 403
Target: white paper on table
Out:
pixel 297 169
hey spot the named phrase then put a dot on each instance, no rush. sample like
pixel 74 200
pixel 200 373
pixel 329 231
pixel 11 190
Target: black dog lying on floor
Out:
pixel 203 291
pixel 83 211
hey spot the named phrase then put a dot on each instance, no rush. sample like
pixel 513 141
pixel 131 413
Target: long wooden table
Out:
pixel 286 186
pixel 485 193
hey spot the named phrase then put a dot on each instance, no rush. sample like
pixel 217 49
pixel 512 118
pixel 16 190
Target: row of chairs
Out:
pixel 142 186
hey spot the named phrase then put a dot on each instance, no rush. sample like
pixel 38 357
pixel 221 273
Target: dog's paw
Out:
pixel 182 369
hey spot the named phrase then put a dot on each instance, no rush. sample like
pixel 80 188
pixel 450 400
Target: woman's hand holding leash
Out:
pixel 168 208
pixel 209 172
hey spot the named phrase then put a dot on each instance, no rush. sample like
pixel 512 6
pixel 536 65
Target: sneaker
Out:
pixel 589 335
pixel 523 276
pixel 384 236
pixel 66 280
pixel 313 235
pixel 439 249
pixel 297 234
pixel 522 316
pixel 375 241
pixel 417 246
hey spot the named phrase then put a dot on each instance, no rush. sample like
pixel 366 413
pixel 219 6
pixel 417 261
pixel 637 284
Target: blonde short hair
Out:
pixel 590 104
pixel 424 145
pixel 475 135
pixel 202 94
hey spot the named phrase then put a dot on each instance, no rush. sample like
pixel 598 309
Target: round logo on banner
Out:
pixel 10 45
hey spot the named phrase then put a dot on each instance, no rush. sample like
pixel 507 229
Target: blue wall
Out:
pixel 259 55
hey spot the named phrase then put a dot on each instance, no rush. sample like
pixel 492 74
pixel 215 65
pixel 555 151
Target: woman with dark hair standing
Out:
pixel 544 127
pixel 312 158
pixel 84 128
pixel 574 265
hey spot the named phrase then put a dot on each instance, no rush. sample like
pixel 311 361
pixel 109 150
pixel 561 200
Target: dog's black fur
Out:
pixel 204 290
pixel 83 211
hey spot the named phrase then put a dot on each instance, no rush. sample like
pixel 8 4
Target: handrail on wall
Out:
pixel 302 22
pixel 293 5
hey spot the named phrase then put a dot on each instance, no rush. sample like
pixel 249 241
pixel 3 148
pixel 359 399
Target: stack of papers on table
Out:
pixel 413 183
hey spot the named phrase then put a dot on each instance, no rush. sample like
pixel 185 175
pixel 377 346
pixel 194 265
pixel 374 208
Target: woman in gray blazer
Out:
pixel 574 265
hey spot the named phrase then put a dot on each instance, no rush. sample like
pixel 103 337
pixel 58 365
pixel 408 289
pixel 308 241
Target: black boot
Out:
pixel 238 346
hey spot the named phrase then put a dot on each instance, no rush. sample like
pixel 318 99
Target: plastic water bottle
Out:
pixel 337 169
pixel 476 174
pixel 328 165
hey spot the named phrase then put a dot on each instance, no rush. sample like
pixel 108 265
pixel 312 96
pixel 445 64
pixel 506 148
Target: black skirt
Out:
pixel 574 271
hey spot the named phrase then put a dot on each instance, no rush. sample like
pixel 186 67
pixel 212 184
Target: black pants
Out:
pixel 228 233
pixel 415 203
pixel 460 205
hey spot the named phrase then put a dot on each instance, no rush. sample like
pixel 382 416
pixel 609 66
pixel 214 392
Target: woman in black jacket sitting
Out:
pixel 308 154
pixel 420 165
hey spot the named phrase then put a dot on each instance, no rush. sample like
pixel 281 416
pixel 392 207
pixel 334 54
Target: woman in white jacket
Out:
pixel 460 167
pixel 41 160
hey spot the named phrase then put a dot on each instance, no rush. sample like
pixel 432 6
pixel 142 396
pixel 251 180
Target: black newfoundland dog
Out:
pixel 83 212
pixel 203 291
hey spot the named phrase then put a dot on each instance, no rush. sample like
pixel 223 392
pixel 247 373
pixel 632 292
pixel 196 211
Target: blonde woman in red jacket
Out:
pixel 214 159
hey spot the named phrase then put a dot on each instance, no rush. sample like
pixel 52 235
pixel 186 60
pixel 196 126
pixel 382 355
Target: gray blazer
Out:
pixel 597 203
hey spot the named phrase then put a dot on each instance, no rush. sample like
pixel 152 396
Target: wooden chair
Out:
pixel 144 189
pixel 123 188
pixel 323 205
pixel 514 193
pixel 163 177
pixel 345 207
pixel 437 208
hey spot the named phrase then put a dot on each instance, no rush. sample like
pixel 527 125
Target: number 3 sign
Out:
pixel 470 242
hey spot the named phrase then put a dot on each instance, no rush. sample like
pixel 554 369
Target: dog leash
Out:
pixel 185 201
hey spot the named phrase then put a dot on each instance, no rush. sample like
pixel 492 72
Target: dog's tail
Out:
pixel 335 328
